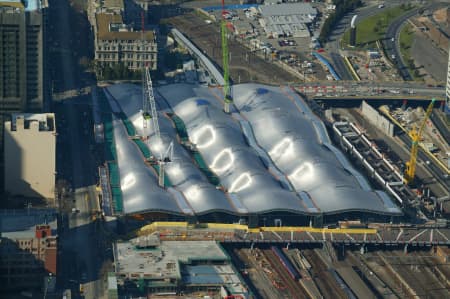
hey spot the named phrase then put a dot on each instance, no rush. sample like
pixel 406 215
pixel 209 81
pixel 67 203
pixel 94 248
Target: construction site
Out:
pixel 169 259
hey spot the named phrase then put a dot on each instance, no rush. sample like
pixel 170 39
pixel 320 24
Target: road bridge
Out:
pixel 369 90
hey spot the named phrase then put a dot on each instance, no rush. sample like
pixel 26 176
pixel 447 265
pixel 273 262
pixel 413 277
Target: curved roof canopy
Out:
pixel 297 142
pixel 315 176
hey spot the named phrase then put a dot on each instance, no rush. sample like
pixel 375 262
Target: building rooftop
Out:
pixel 288 164
pixel 163 261
pixel 46 121
pixel 113 4
pixel 28 5
pixel 21 223
pixel 287 9
pixel 213 275
pixel 111 27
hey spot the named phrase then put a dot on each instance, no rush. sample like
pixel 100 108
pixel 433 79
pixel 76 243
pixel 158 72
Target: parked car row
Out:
pixel 287 42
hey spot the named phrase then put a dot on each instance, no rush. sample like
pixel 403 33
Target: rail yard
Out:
pixel 312 272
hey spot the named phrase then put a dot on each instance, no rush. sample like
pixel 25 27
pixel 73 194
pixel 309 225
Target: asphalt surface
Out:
pixel 381 90
pixel 340 67
pixel 393 48
pixel 70 39
pixel 441 126
pixel 81 246
pixel 425 53
pixel 393 32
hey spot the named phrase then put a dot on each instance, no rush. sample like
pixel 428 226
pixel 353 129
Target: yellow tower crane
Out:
pixel 416 135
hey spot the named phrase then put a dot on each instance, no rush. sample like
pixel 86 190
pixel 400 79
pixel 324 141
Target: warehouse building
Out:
pixel 287 20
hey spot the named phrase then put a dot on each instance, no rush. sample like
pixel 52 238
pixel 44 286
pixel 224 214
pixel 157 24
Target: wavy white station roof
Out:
pixel 298 144
pixel 220 141
pixel 198 194
pixel 281 124
pixel 139 185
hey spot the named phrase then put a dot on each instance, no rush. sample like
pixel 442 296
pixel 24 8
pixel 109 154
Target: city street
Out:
pixel 82 247
pixel 70 40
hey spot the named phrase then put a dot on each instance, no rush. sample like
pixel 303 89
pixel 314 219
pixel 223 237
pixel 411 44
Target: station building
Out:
pixel 272 164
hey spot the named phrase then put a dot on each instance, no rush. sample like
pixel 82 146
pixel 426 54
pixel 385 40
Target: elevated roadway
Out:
pixel 367 89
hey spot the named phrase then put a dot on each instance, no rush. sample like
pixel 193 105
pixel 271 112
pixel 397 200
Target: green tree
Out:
pixel 107 73
pixel 342 7
pixel 84 62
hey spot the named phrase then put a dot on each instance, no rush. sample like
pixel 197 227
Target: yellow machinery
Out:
pixel 416 135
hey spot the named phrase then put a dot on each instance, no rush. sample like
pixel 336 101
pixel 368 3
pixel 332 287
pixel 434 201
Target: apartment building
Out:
pixel 28 248
pixel 24 86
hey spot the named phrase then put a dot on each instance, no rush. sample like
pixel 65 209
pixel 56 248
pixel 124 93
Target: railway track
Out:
pixel 322 277
pixel 245 66
pixel 293 287
pixel 427 283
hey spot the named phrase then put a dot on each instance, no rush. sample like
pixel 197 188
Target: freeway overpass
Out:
pixel 370 90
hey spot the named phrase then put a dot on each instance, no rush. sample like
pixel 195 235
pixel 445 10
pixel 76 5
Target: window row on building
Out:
pixel 120 43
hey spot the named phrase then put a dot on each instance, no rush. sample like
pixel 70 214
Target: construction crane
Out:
pixel 149 103
pixel 416 135
pixel 149 112
pixel 228 100
pixel 145 101
pixel 164 158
